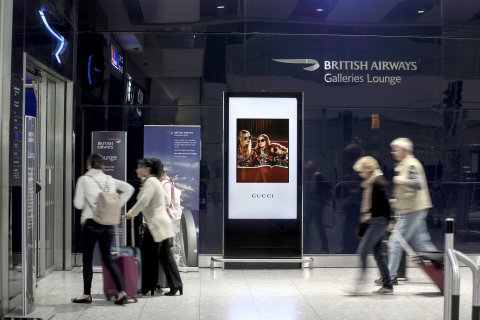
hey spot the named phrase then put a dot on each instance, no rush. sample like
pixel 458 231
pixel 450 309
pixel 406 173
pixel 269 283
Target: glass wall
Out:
pixel 367 78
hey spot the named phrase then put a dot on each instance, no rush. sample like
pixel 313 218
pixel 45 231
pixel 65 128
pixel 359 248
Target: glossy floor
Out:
pixel 321 293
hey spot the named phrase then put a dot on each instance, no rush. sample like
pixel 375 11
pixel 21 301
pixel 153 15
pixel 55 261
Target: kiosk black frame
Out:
pixel 263 238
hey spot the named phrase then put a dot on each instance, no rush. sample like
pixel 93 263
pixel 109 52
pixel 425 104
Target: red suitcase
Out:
pixel 129 271
pixel 430 262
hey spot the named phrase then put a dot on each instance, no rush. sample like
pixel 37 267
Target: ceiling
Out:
pixel 167 39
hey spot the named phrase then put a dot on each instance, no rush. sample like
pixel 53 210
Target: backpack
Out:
pixel 174 209
pixel 107 211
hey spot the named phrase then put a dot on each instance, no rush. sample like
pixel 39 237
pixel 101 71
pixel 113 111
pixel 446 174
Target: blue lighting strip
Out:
pixel 88 73
pixel 62 44
pixel 89 70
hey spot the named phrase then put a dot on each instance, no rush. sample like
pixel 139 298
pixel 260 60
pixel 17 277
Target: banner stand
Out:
pixel 112 146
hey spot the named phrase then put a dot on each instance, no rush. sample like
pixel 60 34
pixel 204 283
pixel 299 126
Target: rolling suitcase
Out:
pixel 128 264
pixel 430 262
pixel 128 270
pixel 133 251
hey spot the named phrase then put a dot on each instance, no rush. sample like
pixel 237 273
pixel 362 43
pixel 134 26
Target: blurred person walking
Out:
pixel 411 203
pixel 375 215
pixel 87 190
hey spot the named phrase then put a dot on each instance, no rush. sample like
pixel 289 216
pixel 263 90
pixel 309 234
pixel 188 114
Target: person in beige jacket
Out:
pixel 411 203
pixel 158 231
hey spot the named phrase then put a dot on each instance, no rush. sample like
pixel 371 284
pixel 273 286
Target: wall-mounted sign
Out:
pixel 388 72
pixel 16 129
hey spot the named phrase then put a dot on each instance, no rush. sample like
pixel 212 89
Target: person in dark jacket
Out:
pixel 375 212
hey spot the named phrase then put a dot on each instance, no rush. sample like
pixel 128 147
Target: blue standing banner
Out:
pixel 178 147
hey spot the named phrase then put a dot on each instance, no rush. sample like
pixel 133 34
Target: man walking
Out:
pixel 411 203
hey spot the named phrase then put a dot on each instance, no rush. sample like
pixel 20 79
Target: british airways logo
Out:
pixel 313 64
pixel 351 71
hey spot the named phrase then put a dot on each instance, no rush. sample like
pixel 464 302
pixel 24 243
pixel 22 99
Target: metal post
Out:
pixel 476 282
pixel 455 289
pixel 476 296
pixel 447 294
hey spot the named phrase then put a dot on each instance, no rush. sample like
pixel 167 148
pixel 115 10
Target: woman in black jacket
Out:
pixel 374 212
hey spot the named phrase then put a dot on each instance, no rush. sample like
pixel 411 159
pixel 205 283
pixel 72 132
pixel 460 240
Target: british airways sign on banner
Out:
pixel 357 71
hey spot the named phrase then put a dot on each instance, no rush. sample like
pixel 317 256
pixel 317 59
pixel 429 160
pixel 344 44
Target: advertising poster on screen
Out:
pixel 262 157
pixel 262 150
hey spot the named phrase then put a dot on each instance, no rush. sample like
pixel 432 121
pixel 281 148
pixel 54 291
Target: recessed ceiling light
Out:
pixel 420 11
pixel 220 7
pixel 319 10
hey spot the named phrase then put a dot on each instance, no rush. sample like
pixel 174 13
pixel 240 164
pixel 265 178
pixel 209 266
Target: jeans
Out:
pixel 413 228
pixel 372 239
pixel 91 232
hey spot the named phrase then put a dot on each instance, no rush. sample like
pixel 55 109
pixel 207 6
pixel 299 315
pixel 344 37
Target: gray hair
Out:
pixel 402 143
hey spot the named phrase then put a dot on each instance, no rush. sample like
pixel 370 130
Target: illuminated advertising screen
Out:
pixel 263 156
pixel 116 59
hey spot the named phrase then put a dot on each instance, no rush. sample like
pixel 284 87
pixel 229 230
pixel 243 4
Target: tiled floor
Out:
pixel 321 293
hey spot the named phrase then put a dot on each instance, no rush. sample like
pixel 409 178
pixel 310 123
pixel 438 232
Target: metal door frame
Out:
pixel 63 144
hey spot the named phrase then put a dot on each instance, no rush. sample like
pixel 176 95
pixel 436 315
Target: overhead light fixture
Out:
pixel 319 10
pixel 420 11
pixel 62 43
pixel 221 7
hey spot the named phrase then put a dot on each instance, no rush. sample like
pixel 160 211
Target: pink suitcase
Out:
pixel 129 271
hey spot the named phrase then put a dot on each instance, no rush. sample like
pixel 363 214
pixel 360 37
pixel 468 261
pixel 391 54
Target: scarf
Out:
pixel 367 186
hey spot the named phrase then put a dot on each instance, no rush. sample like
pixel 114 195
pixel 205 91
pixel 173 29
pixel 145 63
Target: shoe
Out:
pixel 145 293
pixel 172 292
pixel 359 287
pixel 82 300
pixel 383 291
pixel 121 301
pixel 379 281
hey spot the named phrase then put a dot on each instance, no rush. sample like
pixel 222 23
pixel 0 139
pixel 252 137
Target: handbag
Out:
pixel 364 223
pixel 362 228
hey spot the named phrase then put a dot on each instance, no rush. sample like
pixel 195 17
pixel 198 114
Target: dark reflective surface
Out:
pixel 334 139
pixel 31 34
pixel 182 59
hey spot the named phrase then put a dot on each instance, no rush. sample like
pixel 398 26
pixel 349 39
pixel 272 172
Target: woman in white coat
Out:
pixel 86 193
pixel 158 231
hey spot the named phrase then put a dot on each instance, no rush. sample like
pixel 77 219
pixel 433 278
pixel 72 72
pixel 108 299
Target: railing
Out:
pixel 451 310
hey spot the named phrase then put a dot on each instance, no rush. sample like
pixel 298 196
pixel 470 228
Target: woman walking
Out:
pixel 87 190
pixel 375 212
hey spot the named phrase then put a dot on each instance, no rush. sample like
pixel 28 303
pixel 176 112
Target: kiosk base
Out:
pixel 266 260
